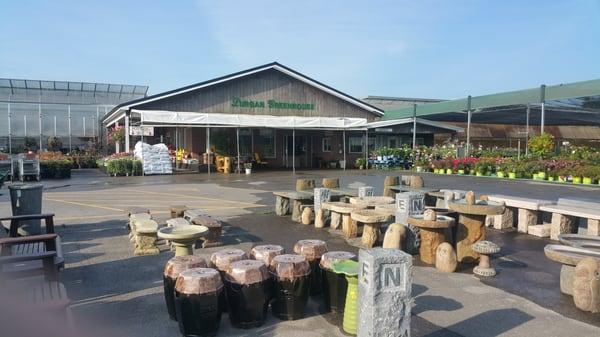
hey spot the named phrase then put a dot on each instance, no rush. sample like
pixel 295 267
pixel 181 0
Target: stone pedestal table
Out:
pixel 432 228
pixel 371 220
pixel 340 213
pixel 485 249
pixel 183 237
pixel 471 224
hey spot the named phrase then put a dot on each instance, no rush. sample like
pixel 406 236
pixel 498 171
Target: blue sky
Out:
pixel 441 49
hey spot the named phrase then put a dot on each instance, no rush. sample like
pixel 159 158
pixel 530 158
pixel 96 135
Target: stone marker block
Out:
pixel 408 204
pixel 527 218
pixel 321 195
pixel 365 191
pixel 541 231
pixel 384 293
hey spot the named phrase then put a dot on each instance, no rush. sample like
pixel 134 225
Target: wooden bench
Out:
pixel 528 212
pixel 565 213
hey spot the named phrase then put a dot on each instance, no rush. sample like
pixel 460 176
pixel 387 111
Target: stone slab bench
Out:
pixel 528 211
pixel 564 218
pixel 297 199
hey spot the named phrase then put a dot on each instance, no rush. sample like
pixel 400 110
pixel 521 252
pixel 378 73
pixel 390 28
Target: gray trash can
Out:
pixel 27 199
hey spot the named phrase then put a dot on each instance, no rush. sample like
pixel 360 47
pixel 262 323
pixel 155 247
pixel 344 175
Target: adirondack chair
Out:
pixel 258 160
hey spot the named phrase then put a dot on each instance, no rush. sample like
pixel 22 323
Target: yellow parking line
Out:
pixel 82 204
pixel 193 196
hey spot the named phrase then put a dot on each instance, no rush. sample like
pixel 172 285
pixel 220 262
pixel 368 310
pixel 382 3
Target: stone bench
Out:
pixel 569 257
pixel 340 214
pixel 145 237
pixel 565 214
pixel 283 199
pixel 528 212
pixel 133 218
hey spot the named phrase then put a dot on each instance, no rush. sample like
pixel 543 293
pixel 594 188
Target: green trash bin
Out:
pixel 27 199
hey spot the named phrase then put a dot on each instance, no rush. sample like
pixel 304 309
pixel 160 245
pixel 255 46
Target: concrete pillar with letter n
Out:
pixel 384 292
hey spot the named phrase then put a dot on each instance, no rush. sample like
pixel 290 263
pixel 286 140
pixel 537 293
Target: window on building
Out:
pixel 245 142
pixel 326 146
pixel 355 144
pixel 267 143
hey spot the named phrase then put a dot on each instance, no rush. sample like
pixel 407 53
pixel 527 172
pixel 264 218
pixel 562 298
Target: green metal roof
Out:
pixel 566 102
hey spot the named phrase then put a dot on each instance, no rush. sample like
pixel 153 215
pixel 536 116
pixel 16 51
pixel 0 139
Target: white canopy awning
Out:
pixel 260 121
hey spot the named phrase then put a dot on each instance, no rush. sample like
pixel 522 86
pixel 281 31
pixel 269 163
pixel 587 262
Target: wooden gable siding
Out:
pixel 263 86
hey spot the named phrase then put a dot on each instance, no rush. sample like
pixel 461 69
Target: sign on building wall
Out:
pixel 271 104
pixel 137 131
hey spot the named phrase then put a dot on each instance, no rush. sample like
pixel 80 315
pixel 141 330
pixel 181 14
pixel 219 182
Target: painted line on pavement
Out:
pixel 197 197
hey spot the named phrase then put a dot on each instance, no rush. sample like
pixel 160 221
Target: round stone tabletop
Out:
pixel 341 207
pixel 480 207
pixel 184 232
pixel 372 201
pixel 441 221
pixel 568 255
pixel 370 216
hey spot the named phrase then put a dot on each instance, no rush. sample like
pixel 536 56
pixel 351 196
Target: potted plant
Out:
pixel 360 163
pixel 248 168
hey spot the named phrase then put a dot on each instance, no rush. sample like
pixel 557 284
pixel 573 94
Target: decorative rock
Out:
pixel 429 215
pixel 384 292
pixel 331 183
pixel 485 249
pixel 177 211
pixel 526 218
pixel 586 285
pixel 365 191
pixel 297 209
pixel 307 216
pixel 387 182
pixel 320 218
pixel 305 184
pixel 561 224
pixel 409 204
pixel 541 231
pixel 395 236
pixel 282 205
pixel 445 258
pixel 417 182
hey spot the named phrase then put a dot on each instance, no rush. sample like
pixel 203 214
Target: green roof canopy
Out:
pixel 565 104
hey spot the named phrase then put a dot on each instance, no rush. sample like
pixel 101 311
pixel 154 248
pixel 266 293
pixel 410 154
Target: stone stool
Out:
pixel 340 214
pixel 145 238
pixel 133 218
pixel 471 224
pixel 445 258
pixel 331 183
pixel 485 249
pixel 432 227
pixel 183 237
pixel 372 220
pixel 177 211
pixel 395 236
pixel 305 185
pixel 215 230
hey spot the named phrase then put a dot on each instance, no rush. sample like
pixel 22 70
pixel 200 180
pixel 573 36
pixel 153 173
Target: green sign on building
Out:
pixel 271 104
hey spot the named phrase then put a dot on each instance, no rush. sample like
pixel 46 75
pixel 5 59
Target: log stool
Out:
pixel 266 253
pixel 371 220
pixel 215 230
pixel 342 210
pixel 471 224
pixel 177 211
pixel 145 238
pixel 485 249
pixel 432 228
pixel 312 250
pixel 331 183
pixel 183 237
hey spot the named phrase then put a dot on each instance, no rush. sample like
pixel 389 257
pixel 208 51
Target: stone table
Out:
pixel 371 220
pixel 471 224
pixel 283 199
pixel 340 213
pixel 183 237
pixel 432 227
pixel 371 202
pixel 569 257
pixel 485 249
